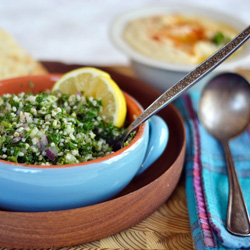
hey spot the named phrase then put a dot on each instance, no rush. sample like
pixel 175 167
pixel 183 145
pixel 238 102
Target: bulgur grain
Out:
pixel 53 129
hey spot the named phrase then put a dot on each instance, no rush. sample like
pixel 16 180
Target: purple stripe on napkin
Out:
pixel 197 180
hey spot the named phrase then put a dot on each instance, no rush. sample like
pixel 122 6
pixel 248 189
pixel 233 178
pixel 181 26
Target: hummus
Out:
pixel 177 38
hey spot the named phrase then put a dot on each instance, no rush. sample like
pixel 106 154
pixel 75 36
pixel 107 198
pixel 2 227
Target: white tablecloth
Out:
pixel 76 31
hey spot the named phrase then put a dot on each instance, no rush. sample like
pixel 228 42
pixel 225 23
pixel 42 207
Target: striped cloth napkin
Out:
pixel 207 181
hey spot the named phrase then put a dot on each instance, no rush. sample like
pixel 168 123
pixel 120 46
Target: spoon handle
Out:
pixel 237 215
pixel 192 78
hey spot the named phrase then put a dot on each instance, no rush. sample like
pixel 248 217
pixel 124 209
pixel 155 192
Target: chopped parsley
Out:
pixel 31 84
pixel 220 39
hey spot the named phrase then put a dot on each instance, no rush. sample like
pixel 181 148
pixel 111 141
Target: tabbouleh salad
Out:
pixel 53 129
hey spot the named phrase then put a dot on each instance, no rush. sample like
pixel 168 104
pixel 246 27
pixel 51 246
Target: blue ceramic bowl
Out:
pixel 59 187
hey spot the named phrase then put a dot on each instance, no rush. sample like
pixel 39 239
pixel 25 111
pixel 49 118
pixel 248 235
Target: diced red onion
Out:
pixel 52 153
pixel 43 142
pixel 24 125
pixel 18 111
pixel 16 139
pixel 28 118
pixel 78 93
pixel 54 150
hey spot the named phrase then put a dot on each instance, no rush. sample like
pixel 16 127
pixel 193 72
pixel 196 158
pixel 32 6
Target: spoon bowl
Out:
pixel 225 106
pixel 224 110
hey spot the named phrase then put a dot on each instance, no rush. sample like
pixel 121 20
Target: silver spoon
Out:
pixel 224 110
pixel 185 83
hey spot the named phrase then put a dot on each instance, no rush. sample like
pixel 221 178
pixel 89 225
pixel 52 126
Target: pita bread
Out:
pixel 15 61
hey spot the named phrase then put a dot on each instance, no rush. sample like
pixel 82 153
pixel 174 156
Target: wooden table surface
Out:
pixel 167 228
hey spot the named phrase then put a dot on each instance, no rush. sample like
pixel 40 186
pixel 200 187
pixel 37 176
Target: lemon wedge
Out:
pixel 98 84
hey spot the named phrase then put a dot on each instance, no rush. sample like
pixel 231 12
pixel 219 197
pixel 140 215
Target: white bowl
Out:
pixel 163 75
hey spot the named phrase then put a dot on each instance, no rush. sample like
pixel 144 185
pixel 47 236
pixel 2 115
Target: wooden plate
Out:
pixel 141 198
